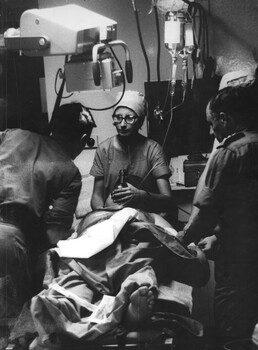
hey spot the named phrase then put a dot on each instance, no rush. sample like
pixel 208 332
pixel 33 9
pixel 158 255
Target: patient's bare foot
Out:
pixel 140 307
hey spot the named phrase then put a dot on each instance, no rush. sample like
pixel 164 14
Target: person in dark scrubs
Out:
pixel 39 190
pixel 227 199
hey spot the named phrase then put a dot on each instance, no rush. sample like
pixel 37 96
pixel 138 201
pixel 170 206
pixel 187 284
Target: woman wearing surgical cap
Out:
pixel 144 162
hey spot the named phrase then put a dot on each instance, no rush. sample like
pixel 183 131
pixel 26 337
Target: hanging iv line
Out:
pixel 179 40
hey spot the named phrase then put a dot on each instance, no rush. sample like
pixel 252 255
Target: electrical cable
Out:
pixel 192 18
pixel 158 39
pixel 124 86
pixel 203 30
pixel 147 119
pixel 201 27
pixel 207 35
pixel 201 35
pixel 141 40
pixel 58 73
pixel 196 51
pixel 60 92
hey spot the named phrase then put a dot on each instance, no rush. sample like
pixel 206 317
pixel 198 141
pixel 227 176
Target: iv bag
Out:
pixel 170 5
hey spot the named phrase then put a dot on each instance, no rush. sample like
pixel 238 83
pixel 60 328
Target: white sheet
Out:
pixel 97 237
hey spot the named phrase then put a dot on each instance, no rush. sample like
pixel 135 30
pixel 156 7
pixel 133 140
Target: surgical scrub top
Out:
pixel 36 174
pixel 144 162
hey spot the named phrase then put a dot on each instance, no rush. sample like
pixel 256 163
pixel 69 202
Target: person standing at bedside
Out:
pixel 228 199
pixel 142 159
pixel 39 191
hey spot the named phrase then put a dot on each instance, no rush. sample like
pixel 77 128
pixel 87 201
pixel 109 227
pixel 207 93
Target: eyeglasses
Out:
pixel 128 118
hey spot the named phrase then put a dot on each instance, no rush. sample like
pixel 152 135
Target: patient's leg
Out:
pixel 140 307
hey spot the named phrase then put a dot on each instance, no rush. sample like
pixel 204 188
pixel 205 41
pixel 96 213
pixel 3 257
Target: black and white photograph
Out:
pixel 128 174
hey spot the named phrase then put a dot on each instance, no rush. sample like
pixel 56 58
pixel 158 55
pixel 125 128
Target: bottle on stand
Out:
pixel 121 182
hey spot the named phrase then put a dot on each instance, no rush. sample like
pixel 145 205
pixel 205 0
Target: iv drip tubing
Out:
pixel 165 101
pixel 173 73
pixel 177 106
pixel 169 123
pixel 171 115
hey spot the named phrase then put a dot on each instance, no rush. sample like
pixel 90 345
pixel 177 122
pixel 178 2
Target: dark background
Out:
pixel 20 101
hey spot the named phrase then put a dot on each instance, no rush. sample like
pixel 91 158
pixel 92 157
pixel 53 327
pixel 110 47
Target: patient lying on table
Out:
pixel 98 290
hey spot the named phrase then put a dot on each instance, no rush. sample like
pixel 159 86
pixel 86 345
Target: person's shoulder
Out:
pixel 25 133
pixel 57 158
pixel 17 131
pixel 51 150
pixel 240 139
pixel 21 135
pixel 145 140
pixel 234 146
pixel 152 144
pixel 251 135
pixel 106 143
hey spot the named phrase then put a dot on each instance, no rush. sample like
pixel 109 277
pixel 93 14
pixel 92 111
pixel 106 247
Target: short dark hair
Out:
pixel 234 100
pixel 67 120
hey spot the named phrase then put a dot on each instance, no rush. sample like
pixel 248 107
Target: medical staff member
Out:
pixel 147 188
pixel 39 190
pixel 234 78
pixel 229 198
pixel 143 160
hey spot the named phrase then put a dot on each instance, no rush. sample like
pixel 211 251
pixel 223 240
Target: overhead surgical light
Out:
pixel 75 31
